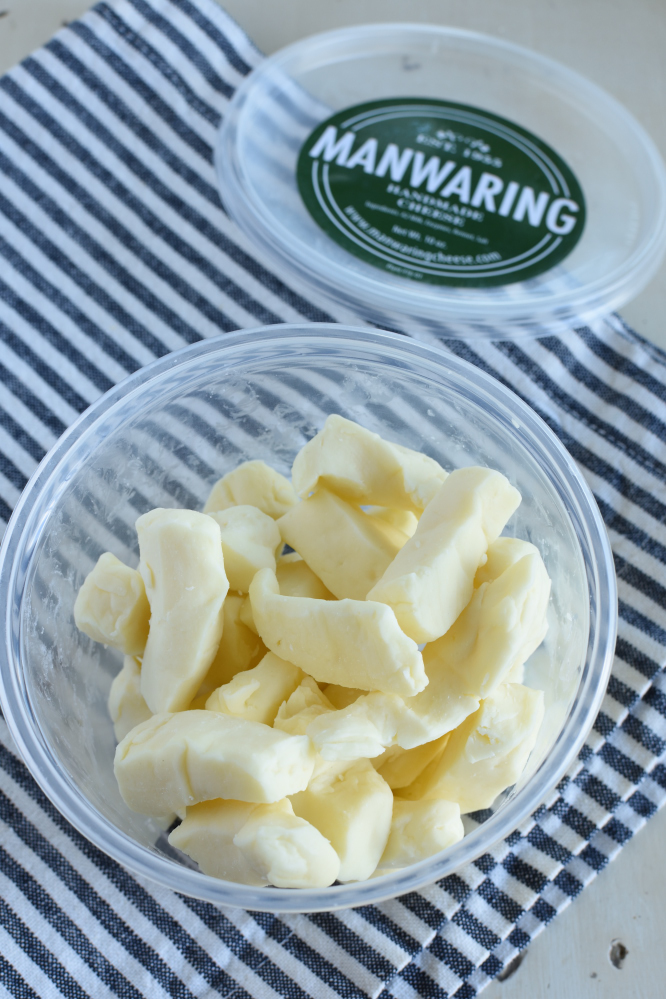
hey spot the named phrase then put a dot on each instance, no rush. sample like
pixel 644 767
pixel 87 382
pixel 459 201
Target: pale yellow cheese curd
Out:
pixel 183 571
pixel 256 844
pixel 240 647
pixel 487 753
pixel 254 483
pixel 430 581
pixel 206 834
pixel 126 704
pixel 340 696
pixel 351 805
pixel 399 525
pixel 419 829
pixel 306 703
pixel 250 541
pixel 362 467
pixel 112 606
pixel 351 554
pixel 256 694
pixel 354 642
pixel 175 760
pixel 296 579
pixel 504 622
pixel 400 767
pixel 287 849
pixel 280 704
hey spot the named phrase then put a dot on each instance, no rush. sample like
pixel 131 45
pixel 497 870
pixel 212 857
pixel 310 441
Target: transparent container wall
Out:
pixel 166 443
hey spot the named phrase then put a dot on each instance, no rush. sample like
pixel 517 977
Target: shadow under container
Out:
pixel 162 438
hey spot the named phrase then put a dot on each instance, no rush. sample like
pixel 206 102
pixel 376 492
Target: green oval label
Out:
pixel 440 192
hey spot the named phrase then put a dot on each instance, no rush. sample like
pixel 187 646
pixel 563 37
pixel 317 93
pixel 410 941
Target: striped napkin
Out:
pixel 115 249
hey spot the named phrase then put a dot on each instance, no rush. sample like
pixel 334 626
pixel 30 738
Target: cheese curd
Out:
pixel 296 579
pixel 171 761
pixel 351 555
pixel 183 571
pixel 256 844
pixel 419 829
pixel 256 694
pixel 337 641
pixel 112 606
pixel 361 467
pixel 351 805
pixel 286 849
pixel 253 483
pixel 430 581
pixel 400 767
pixel 240 647
pixel 250 542
pixel 126 704
pixel 487 753
pixel 207 833
pixel 280 704
pixel 504 622
pixel 305 704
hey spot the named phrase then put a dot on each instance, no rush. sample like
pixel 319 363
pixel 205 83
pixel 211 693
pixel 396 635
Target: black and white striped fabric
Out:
pixel 114 250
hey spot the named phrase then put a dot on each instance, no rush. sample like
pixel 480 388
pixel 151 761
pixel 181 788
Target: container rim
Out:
pixel 28 521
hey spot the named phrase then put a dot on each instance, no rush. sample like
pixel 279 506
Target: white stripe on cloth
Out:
pixel 115 249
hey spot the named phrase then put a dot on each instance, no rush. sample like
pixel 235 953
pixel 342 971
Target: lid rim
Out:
pixel 377 295
pixel 385 299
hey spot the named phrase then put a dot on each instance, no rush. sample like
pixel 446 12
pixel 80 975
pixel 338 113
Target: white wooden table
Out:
pixel 620 44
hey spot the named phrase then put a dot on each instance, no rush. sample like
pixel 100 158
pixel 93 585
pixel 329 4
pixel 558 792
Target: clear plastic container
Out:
pixel 161 438
pixel 618 167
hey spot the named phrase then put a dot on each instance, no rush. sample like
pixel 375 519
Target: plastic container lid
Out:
pixel 517 197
